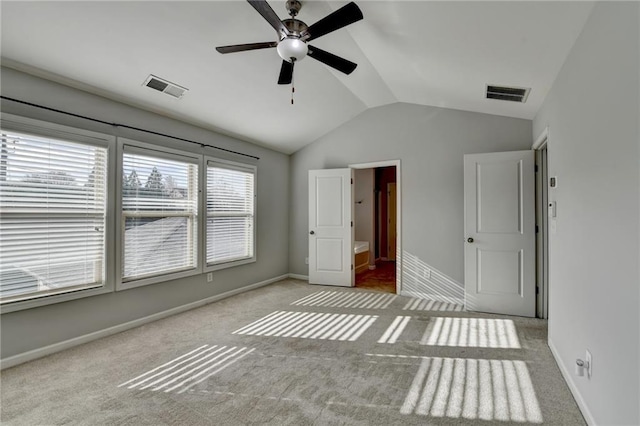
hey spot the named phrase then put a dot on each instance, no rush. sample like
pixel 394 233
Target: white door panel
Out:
pixel 500 233
pixel 330 227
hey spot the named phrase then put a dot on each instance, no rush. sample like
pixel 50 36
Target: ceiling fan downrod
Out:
pixel 293 7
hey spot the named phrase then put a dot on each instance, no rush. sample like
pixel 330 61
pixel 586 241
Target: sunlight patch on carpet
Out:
pixel 347 299
pixel 395 329
pixel 188 370
pixel 310 325
pixel 473 389
pixel 471 332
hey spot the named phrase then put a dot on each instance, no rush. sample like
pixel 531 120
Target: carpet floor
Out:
pixel 296 354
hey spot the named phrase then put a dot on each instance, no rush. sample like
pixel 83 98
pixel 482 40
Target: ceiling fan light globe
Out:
pixel 292 47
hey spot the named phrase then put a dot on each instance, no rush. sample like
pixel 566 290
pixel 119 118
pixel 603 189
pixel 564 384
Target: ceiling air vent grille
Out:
pixel 505 93
pixel 165 86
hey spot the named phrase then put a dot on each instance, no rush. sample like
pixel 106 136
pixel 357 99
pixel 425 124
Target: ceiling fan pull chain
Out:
pixel 293 88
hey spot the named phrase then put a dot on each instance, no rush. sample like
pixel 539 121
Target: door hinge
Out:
pixel 351 181
pixel 537 289
pixel 537 229
pixel 352 266
pixel 352 224
pixel 536 168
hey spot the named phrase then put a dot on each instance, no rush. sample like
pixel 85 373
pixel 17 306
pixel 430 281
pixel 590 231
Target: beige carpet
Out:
pixel 295 354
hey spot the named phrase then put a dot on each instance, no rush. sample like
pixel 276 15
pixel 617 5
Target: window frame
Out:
pixel 232 165
pixel 144 148
pixel 86 137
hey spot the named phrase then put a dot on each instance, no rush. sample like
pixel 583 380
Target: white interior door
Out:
pixel 331 231
pixel 499 196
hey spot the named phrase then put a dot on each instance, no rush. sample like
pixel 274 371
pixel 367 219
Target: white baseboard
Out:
pixel 572 386
pixel 299 277
pixel 60 346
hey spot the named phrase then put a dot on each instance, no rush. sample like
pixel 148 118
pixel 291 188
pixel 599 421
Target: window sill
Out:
pixel 157 279
pixel 231 264
pixel 51 299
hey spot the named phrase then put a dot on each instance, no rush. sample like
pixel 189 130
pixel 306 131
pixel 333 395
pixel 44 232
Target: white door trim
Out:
pixel 399 256
pixel 541 141
pixel 542 237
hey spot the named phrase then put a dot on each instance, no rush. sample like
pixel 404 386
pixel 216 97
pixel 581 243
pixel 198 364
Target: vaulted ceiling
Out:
pixel 423 52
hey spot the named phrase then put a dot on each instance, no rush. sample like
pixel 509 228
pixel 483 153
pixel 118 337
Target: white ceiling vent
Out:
pixel 165 86
pixel 505 93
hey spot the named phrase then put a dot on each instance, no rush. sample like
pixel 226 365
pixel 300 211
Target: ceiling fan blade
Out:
pixel 342 17
pixel 248 46
pixel 286 73
pixel 272 18
pixel 332 60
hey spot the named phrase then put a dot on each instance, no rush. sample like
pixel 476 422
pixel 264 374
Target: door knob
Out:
pixel 469 240
pixel 311 232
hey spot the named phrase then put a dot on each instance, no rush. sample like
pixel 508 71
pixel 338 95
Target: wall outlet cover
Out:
pixel 210 277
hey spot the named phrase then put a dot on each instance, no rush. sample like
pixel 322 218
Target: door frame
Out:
pixel 542 222
pixel 388 163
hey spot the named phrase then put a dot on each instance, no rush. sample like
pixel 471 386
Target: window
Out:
pixel 159 213
pixel 53 204
pixel 230 213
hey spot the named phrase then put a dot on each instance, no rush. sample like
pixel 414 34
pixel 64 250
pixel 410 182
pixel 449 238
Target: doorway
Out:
pixel 376 227
pixel 542 226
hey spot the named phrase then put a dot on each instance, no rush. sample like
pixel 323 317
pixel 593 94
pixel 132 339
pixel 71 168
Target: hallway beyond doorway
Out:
pixel 383 278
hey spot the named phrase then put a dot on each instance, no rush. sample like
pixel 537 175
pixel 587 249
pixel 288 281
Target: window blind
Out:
pixel 52 216
pixel 230 213
pixel 159 213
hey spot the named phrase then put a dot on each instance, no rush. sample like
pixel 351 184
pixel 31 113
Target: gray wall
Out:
pixel 34 328
pixel 592 113
pixel 430 142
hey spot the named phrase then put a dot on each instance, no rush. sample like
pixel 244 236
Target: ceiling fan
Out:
pixel 293 36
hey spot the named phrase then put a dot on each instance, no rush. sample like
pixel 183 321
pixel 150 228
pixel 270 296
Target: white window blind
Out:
pixel 52 216
pixel 159 213
pixel 230 213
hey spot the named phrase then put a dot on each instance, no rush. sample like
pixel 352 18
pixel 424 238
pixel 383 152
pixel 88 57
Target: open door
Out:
pixel 499 256
pixel 331 231
pixel 391 226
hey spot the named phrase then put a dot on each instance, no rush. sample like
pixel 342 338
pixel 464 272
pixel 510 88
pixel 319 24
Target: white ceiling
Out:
pixel 423 52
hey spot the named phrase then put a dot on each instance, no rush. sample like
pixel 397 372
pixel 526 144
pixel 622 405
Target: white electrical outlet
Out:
pixel 210 277
pixel 589 363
